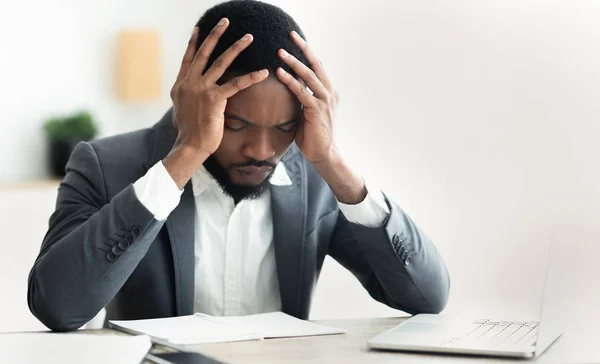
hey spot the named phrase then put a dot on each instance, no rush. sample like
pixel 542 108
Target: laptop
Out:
pixel 430 333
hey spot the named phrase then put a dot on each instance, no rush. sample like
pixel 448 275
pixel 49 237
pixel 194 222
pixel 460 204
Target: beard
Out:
pixel 237 191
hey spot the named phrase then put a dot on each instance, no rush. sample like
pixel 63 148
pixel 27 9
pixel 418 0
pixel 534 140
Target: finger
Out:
pixel 312 58
pixel 208 46
pixel 309 77
pixel 188 57
pixel 221 64
pixel 239 83
pixel 297 88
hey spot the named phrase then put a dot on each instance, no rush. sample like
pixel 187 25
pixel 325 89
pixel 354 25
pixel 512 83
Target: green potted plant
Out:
pixel 63 134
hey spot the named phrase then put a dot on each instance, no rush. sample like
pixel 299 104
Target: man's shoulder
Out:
pixel 124 158
pixel 134 146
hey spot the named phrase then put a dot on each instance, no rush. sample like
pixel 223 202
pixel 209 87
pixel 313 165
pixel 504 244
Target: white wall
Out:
pixel 479 118
pixel 23 228
pixel 58 56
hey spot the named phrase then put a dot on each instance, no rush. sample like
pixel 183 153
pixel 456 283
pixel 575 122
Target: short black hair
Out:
pixel 270 27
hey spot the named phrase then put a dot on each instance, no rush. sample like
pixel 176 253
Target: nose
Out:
pixel 259 146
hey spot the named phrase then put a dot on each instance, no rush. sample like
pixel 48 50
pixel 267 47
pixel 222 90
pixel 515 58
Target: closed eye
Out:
pixel 235 125
pixel 287 128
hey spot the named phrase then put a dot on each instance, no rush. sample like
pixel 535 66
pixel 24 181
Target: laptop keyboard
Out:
pixel 498 334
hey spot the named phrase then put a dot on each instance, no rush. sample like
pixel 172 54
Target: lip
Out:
pixel 254 175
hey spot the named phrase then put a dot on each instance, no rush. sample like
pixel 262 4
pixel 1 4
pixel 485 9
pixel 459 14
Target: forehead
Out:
pixel 267 103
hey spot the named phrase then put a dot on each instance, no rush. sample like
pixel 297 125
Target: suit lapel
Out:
pixel 180 226
pixel 289 210
pixel 180 223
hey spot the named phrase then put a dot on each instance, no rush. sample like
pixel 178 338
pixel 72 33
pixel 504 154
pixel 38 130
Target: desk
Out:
pixel 349 348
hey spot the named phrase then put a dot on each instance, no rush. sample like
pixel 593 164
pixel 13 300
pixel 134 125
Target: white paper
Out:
pixel 183 330
pixel 53 348
pixel 201 328
pixel 279 324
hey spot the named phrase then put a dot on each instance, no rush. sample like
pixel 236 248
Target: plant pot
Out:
pixel 59 152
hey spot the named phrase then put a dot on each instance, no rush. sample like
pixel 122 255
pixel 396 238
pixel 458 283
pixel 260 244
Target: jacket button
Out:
pixel 396 239
pixel 404 255
pixel 130 237
pixel 116 250
pixel 408 260
pixel 136 231
pixel 123 244
pixel 111 257
pixel 398 249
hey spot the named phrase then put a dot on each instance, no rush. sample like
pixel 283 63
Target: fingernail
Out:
pixel 221 22
pixel 284 53
pixel 264 72
pixel 282 71
pixel 246 37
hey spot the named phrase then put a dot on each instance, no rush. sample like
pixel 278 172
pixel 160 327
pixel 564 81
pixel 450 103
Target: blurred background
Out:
pixel 480 118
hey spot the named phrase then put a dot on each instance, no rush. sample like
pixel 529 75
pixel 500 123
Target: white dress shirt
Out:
pixel 235 270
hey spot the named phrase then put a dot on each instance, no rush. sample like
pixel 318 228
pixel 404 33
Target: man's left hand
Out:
pixel 314 136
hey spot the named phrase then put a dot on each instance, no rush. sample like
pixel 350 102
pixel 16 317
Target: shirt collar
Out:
pixel 280 176
pixel 203 180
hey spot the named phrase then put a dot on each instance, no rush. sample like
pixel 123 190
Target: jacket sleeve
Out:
pixel 397 264
pixel 91 248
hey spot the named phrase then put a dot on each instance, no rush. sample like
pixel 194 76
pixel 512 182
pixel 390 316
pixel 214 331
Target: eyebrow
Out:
pixel 242 120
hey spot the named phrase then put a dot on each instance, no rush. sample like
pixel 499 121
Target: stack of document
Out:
pixel 201 328
pixel 51 348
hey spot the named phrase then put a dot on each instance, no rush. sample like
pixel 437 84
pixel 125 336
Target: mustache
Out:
pixel 252 163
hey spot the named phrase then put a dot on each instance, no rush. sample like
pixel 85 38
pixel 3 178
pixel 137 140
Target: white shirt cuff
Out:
pixel 371 212
pixel 158 192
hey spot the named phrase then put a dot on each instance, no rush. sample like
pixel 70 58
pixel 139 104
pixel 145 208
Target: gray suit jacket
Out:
pixel 103 248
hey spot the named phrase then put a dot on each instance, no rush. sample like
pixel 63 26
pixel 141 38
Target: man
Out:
pixel 230 203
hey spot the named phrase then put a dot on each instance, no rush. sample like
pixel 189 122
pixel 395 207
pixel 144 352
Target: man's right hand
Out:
pixel 199 103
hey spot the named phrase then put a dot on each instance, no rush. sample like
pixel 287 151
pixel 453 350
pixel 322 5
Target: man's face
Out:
pixel 260 126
